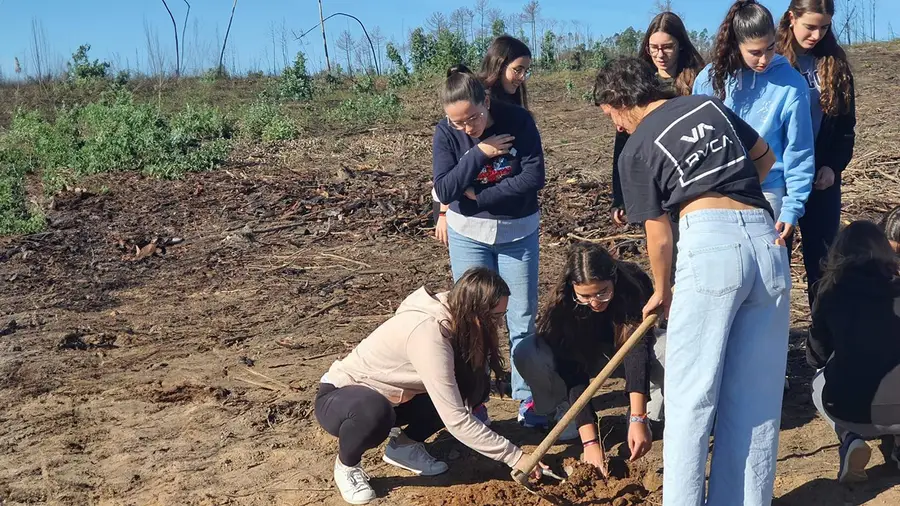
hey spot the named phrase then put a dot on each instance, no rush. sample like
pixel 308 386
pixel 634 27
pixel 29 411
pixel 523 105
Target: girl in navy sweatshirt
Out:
pixel 488 168
pixel 807 40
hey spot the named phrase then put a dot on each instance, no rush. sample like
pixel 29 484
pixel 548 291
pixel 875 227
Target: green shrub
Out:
pixel 368 109
pixel 81 68
pixel 295 83
pixel 265 121
pixel 15 215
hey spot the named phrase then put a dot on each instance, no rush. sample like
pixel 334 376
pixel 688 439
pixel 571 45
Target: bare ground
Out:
pixel 139 361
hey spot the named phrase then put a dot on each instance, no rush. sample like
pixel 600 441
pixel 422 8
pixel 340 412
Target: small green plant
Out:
pixel 295 83
pixel 265 121
pixel 368 109
pixel 81 68
pixel 16 216
pixel 570 87
pixel 364 84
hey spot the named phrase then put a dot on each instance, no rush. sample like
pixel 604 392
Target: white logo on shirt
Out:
pixel 721 151
pixel 697 133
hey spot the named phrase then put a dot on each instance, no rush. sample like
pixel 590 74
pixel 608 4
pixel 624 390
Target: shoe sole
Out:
pixel 388 460
pixel 348 501
pixel 858 455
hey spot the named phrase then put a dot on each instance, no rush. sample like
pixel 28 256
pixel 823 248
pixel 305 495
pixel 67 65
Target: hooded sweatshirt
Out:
pixel 411 354
pixel 775 102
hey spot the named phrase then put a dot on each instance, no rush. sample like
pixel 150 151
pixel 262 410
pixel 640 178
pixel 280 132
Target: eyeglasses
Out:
pixel 461 125
pixel 521 73
pixel 665 48
pixel 600 298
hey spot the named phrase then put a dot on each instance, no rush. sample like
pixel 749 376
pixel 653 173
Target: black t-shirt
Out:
pixel 687 147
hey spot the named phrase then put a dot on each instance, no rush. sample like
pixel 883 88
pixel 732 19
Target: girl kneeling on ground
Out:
pixel 855 342
pixel 727 337
pixel 423 369
pixel 596 307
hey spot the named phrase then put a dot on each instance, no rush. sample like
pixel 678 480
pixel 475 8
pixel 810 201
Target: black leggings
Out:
pixel 362 418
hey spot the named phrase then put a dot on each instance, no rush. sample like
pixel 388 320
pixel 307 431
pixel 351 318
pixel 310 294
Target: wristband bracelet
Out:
pixel 592 442
pixel 442 213
pixel 639 418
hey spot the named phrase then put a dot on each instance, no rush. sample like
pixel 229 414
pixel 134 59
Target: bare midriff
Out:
pixel 713 200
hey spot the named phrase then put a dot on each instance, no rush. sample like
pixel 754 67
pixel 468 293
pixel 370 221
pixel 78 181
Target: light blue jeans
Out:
pixel 726 353
pixel 517 264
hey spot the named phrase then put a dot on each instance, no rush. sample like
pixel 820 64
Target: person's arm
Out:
pixel 453 176
pixel 844 140
pixel 798 157
pixel 659 249
pixel 433 360
pixel 618 200
pixel 532 176
pixel 763 158
pixel 819 342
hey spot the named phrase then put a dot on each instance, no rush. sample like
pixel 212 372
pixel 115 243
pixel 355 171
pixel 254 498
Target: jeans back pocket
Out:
pixel 778 277
pixel 717 270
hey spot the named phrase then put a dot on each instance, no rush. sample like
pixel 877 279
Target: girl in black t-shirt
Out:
pixel 596 306
pixel 729 316
pixel 668 47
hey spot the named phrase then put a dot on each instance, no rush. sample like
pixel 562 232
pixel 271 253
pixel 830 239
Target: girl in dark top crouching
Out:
pixel 488 168
pixel 596 307
pixel 729 319
pixel 855 342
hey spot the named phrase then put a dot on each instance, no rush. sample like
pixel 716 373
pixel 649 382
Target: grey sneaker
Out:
pixel 414 458
pixel 353 483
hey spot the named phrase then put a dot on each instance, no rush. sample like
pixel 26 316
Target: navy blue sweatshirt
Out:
pixel 507 186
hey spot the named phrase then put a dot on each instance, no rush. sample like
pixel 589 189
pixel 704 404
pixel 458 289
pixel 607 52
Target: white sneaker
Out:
pixel 353 483
pixel 414 458
pixel 571 431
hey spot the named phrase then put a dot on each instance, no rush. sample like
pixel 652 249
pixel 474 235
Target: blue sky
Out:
pixel 116 28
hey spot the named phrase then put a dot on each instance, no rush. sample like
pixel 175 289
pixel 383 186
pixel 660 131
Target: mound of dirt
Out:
pixel 628 485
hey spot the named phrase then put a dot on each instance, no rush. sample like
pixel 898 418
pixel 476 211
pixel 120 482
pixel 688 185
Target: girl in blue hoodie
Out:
pixel 771 96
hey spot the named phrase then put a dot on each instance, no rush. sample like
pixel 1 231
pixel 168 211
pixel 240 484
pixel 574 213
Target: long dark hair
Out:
pixel 746 19
pixel 890 224
pixel 472 329
pixel 836 96
pixel 626 83
pixel 462 86
pixel 566 325
pixel 860 244
pixel 503 51
pixel 690 62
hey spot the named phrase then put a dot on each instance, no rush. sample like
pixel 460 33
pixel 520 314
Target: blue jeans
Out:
pixel 726 353
pixel 517 264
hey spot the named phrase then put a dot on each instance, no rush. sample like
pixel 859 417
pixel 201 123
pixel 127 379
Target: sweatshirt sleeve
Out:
pixel 702 85
pixel 844 141
pixel 451 175
pixel 819 343
pixel 529 180
pixel 434 363
pixel 799 156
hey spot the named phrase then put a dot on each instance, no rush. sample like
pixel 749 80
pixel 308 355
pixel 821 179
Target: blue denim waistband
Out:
pixel 725 216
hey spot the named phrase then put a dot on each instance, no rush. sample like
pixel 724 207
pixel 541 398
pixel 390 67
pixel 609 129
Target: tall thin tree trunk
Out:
pixel 175 28
pixel 324 40
pixel 225 40
pixel 184 30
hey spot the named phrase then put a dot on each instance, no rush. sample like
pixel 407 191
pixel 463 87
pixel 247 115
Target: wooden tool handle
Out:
pixel 520 473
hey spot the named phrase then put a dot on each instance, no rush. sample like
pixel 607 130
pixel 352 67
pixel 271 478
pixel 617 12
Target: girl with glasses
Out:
pixel 596 306
pixel 890 224
pixel 668 47
pixel 488 168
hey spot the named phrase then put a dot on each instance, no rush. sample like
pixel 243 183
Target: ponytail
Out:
pixel 746 19
pixel 462 86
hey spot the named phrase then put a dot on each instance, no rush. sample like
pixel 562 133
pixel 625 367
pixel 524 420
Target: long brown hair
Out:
pixel 860 244
pixel 690 62
pixel 472 329
pixel 836 96
pixel 569 326
pixel 503 51
pixel 746 19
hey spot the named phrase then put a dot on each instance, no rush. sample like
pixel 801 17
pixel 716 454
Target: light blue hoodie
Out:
pixel 775 102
